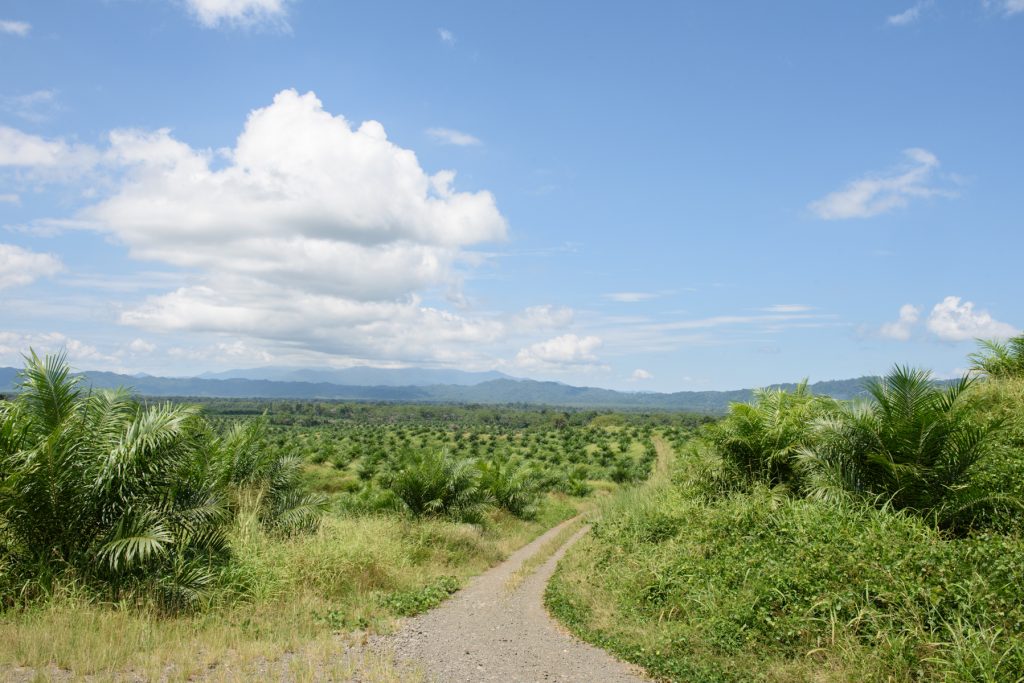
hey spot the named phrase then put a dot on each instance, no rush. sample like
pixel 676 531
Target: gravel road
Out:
pixel 486 633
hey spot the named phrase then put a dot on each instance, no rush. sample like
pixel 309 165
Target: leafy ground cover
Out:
pixel 807 540
pixel 318 533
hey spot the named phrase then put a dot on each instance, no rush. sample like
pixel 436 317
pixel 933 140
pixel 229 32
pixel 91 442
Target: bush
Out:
pixel 119 494
pixel 999 360
pixel 915 447
pixel 754 586
pixel 512 486
pixel 759 442
pixel 437 483
pixel 137 499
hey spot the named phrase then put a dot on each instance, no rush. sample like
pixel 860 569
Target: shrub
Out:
pixel 915 447
pixel 135 498
pixel 758 442
pixel 120 494
pixel 437 483
pixel 512 486
pixel 999 360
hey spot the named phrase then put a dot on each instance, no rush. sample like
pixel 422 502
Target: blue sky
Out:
pixel 643 196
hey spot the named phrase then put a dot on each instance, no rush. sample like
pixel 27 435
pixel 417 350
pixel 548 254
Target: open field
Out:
pixel 293 603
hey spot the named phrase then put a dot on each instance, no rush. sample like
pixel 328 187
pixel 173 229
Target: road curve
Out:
pixel 486 633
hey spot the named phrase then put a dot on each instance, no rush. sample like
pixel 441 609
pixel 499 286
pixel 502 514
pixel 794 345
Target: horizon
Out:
pixel 144 375
pixel 657 199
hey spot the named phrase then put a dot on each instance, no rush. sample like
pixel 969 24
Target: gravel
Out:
pixel 486 633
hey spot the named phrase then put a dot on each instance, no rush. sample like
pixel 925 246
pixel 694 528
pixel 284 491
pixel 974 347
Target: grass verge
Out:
pixel 287 608
pixel 531 563
pixel 759 586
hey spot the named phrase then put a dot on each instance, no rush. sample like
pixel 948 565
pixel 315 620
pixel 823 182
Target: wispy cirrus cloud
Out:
pixel 787 308
pixel 450 136
pixel 1007 7
pixel 15 28
pixel 878 193
pixel 908 16
pixel 631 297
pixel 34 107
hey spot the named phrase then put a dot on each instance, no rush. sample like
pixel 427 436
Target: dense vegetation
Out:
pixel 134 498
pixel 176 537
pixel 802 538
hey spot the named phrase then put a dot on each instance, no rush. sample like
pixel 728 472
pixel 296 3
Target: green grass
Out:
pixel 762 586
pixel 534 561
pixel 286 605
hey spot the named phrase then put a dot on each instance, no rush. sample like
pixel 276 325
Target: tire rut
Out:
pixel 486 633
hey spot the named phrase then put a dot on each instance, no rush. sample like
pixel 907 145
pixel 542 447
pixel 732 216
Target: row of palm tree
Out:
pixel 915 445
pixel 138 499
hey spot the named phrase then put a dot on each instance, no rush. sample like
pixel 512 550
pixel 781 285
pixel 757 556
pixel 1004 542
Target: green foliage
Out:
pixel 135 498
pixel 409 603
pixel 267 482
pixel 755 586
pixel 120 494
pixel 915 447
pixel 438 483
pixel 513 486
pixel 759 442
pixel 999 360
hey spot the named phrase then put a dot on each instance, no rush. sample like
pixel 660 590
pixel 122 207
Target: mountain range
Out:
pixel 459 387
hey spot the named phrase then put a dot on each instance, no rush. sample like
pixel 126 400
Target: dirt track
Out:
pixel 486 633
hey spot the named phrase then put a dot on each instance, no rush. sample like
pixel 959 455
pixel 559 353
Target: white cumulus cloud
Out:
pixel 446 36
pixel 13 345
pixel 21 149
pixel 141 346
pixel 243 13
pixel 901 328
pixel 310 235
pixel 640 374
pixel 561 352
pixel 21 267
pixel 955 320
pixel 879 193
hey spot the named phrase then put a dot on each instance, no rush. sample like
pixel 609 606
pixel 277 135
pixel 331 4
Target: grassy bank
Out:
pixel 758 583
pixel 290 606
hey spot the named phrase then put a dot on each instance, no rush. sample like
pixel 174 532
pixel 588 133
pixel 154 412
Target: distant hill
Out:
pixel 362 376
pixel 493 392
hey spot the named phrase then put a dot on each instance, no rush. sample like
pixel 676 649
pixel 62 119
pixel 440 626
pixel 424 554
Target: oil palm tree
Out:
pixel 759 441
pixel 115 492
pixel 999 360
pixel 133 497
pixel 915 447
